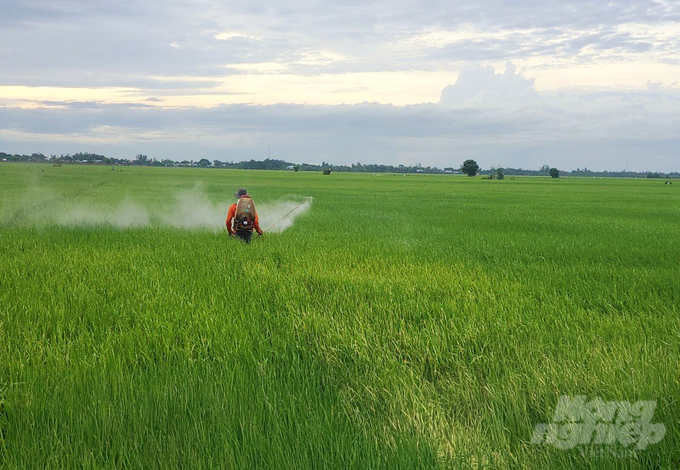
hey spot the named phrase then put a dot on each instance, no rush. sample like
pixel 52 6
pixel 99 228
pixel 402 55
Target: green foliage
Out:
pixel 273 164
pixel 494 174
pixel 337 343
pixel 554 173
pixel 470 167
pixel 141 159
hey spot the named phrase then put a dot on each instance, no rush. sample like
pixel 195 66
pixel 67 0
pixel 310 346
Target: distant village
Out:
pixel 273 164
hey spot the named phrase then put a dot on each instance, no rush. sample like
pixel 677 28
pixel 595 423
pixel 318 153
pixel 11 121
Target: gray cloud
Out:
pixel 118 43
pixel 497 118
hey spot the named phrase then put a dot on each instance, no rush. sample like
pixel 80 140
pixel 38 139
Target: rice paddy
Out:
pixel 400 322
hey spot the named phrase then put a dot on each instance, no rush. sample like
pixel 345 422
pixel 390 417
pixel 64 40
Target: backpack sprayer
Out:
pixel 287 214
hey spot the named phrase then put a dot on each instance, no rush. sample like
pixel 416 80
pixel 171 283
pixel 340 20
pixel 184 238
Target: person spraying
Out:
pixel 242 217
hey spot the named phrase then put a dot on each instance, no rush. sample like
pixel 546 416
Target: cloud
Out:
pixel 128 41
pixel 228 35
pixel 496 118
pixel 486 88
pixel 179 78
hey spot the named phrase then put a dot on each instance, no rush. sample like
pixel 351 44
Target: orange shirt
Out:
pixel 230 220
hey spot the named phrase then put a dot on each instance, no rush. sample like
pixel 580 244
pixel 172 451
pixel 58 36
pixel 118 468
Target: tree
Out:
pixel 470 167
pixel 554 173
pixel 204 162
pixel 499 174
pixel 141 159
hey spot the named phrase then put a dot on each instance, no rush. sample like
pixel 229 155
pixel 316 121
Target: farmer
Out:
pixel 242 217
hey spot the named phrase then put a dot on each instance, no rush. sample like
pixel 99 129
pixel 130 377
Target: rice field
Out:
pixel 401 322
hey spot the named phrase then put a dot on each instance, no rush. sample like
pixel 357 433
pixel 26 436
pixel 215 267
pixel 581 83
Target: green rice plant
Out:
pixel 363 336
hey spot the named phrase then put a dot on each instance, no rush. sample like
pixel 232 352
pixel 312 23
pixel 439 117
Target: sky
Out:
pixel 570 84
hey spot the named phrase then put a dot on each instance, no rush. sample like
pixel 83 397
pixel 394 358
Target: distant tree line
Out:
pixel 469 167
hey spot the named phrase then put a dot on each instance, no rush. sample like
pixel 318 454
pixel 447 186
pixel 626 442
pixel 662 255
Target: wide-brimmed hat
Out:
pixel 240 192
